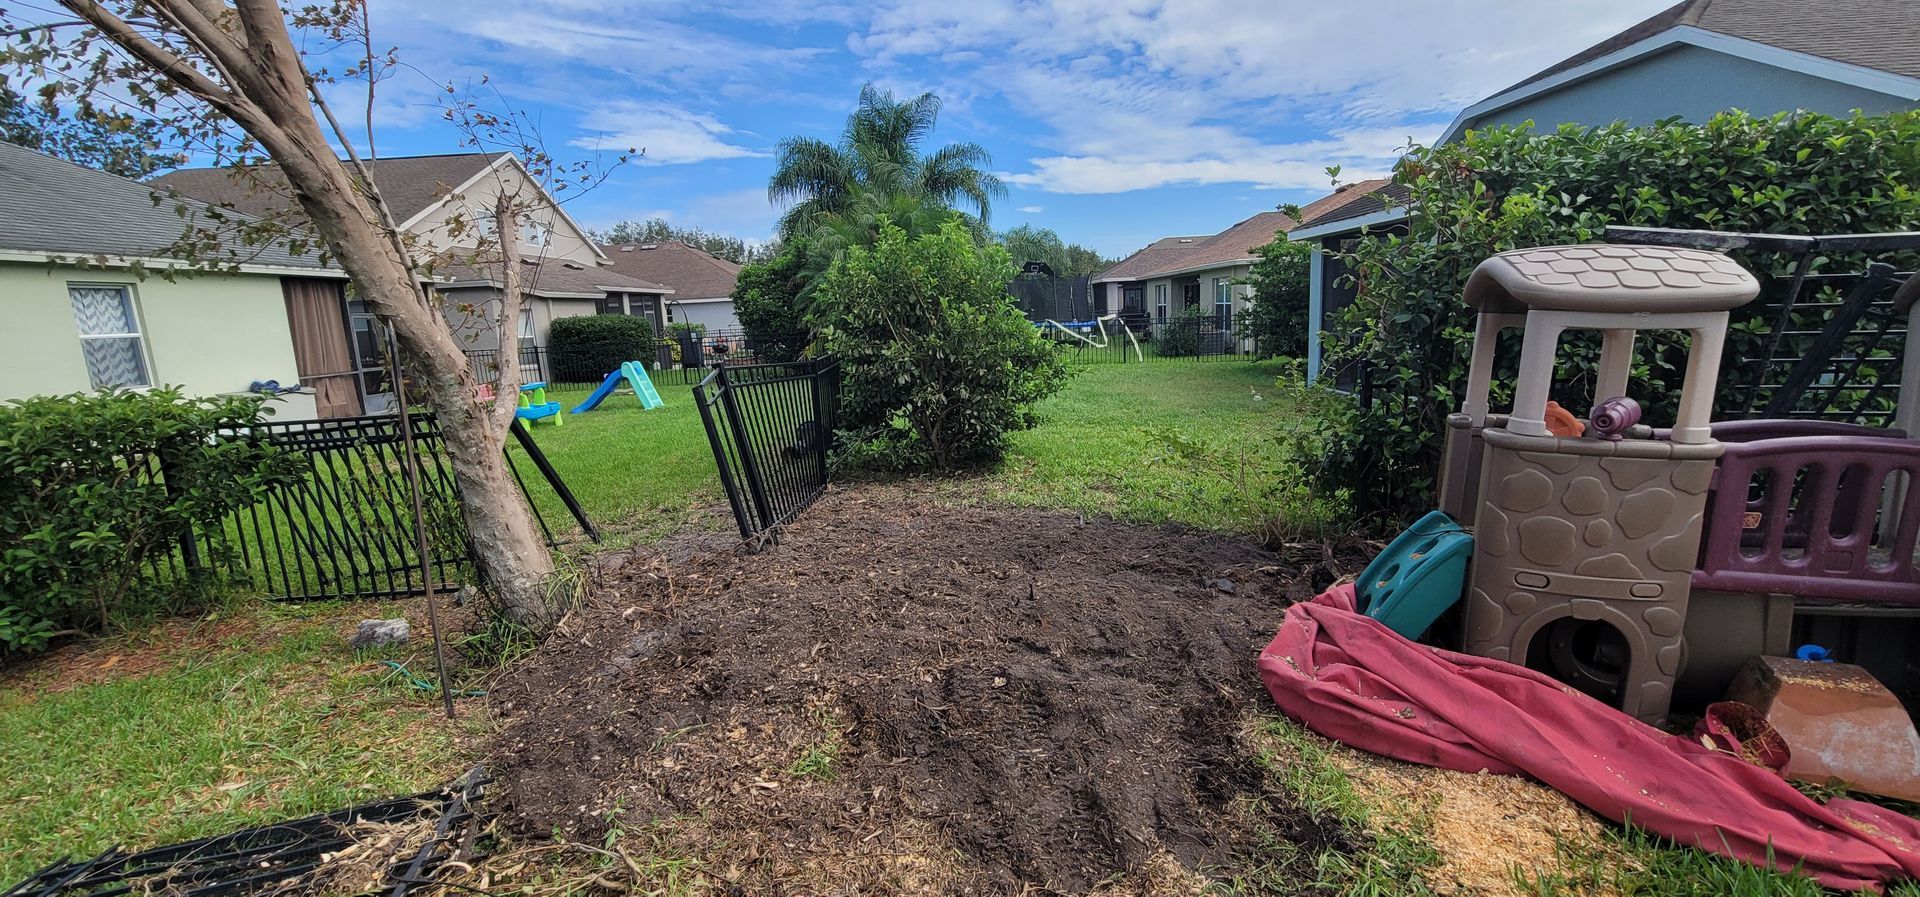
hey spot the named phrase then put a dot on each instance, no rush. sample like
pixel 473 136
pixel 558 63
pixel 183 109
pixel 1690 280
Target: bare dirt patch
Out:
pixel 907 698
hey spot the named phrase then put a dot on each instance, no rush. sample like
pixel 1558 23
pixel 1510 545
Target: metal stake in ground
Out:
pixel 419 513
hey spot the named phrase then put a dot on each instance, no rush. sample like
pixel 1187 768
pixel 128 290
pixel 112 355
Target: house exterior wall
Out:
pixel 209 335
pixel 716 315
pixel 474 328
pixel 476 204
pixel 1693 83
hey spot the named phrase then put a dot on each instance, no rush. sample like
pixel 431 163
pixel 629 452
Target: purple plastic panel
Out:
pixel 1781 428
pixel 1821 545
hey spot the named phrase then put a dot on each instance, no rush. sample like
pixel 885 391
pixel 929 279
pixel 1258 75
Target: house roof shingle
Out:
pixel 54 206
pixel 1378 196
pixel 1235 244
pixel 410 184
pixel 693 273
pixel 1171 254
pixel 1876 34
pixel 552 277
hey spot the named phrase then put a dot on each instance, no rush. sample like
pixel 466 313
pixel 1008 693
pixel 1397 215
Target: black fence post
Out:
pixel 756 487
pixel 559 485
pixel 704 399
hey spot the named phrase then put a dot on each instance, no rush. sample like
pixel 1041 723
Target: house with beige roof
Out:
pixel 1173 274
pixel 701 282
pixel 443 202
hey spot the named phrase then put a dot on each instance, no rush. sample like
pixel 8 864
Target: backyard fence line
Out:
pixel 771 428
pixel 678 358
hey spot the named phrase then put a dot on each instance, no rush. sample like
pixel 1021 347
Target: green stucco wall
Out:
pixel 207 334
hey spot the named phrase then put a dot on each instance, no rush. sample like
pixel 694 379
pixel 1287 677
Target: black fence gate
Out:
pixel 771 427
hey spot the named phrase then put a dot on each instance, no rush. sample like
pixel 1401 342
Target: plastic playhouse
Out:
pixel 1640 561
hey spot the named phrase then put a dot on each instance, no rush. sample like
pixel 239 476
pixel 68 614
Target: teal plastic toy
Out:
pixel 1419 576
pixel 534 404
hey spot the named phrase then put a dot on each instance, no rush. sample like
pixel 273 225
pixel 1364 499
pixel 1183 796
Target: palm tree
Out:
pixel 879 153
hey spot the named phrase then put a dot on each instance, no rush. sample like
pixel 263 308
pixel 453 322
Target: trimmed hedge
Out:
pixel 587 348
pixel 84 510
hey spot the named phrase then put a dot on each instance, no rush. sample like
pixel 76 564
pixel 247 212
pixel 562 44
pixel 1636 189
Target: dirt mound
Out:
pixel 910 698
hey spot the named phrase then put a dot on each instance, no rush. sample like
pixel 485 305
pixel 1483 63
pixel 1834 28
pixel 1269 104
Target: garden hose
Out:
pixel 414 681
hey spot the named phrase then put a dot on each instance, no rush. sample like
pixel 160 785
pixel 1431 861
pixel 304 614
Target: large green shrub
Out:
pixel 766 299
pixel 1276 320
pixel 938 365
pixel 1513 187
pixel 589 347
pixel 82 513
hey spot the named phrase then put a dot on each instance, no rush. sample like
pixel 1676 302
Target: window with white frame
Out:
pixel 1223 299
pixel 526 328
pixel 1160 301
pixel 110 338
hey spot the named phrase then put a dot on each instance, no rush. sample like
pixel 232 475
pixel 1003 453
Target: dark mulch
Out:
pixel 904 697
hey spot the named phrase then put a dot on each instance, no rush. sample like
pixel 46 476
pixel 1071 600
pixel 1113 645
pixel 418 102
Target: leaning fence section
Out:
pixel 342 526
pixel 1826 338
pixel 771 428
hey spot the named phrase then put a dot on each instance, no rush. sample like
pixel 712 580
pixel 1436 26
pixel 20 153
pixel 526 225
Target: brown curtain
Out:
pixel 319 327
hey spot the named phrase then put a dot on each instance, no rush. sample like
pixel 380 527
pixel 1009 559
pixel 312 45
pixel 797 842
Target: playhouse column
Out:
pixel 1693 424
pixel 1536 374
pixel 1616 362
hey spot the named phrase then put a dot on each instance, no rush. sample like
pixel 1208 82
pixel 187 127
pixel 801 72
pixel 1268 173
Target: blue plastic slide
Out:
pixel 636 376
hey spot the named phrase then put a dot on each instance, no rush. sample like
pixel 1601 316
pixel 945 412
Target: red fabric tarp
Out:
pixel 1352 679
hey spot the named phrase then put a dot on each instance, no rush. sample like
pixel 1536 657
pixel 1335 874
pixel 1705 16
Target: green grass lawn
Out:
pixel 194 728
pixel 1198 442
pixel 635 471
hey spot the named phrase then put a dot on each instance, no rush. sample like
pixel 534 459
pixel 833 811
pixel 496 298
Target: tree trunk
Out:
pixel 263 86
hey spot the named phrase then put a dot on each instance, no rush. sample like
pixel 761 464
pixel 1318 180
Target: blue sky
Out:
pixel 1114 122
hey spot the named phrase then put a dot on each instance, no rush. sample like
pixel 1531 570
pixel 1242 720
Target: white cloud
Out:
pixel 1031 210
pixel 660 48
pixel 1221 156
pixel 1144 93
pixel 668 134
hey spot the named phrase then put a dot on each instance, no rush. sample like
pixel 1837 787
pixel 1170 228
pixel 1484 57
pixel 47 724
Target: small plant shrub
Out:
pixel 1180 337
pixel 938 365
pixel 589 347
pixel 82 513
pixel 766 299
pixel 1513 187
pixel 1276 321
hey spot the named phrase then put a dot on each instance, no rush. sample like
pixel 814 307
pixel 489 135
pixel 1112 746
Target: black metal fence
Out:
pixel 1132 339
pixel 1826 338
pixel 681 359
pixel 344 528
pixel 273 858
pixel 771 428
